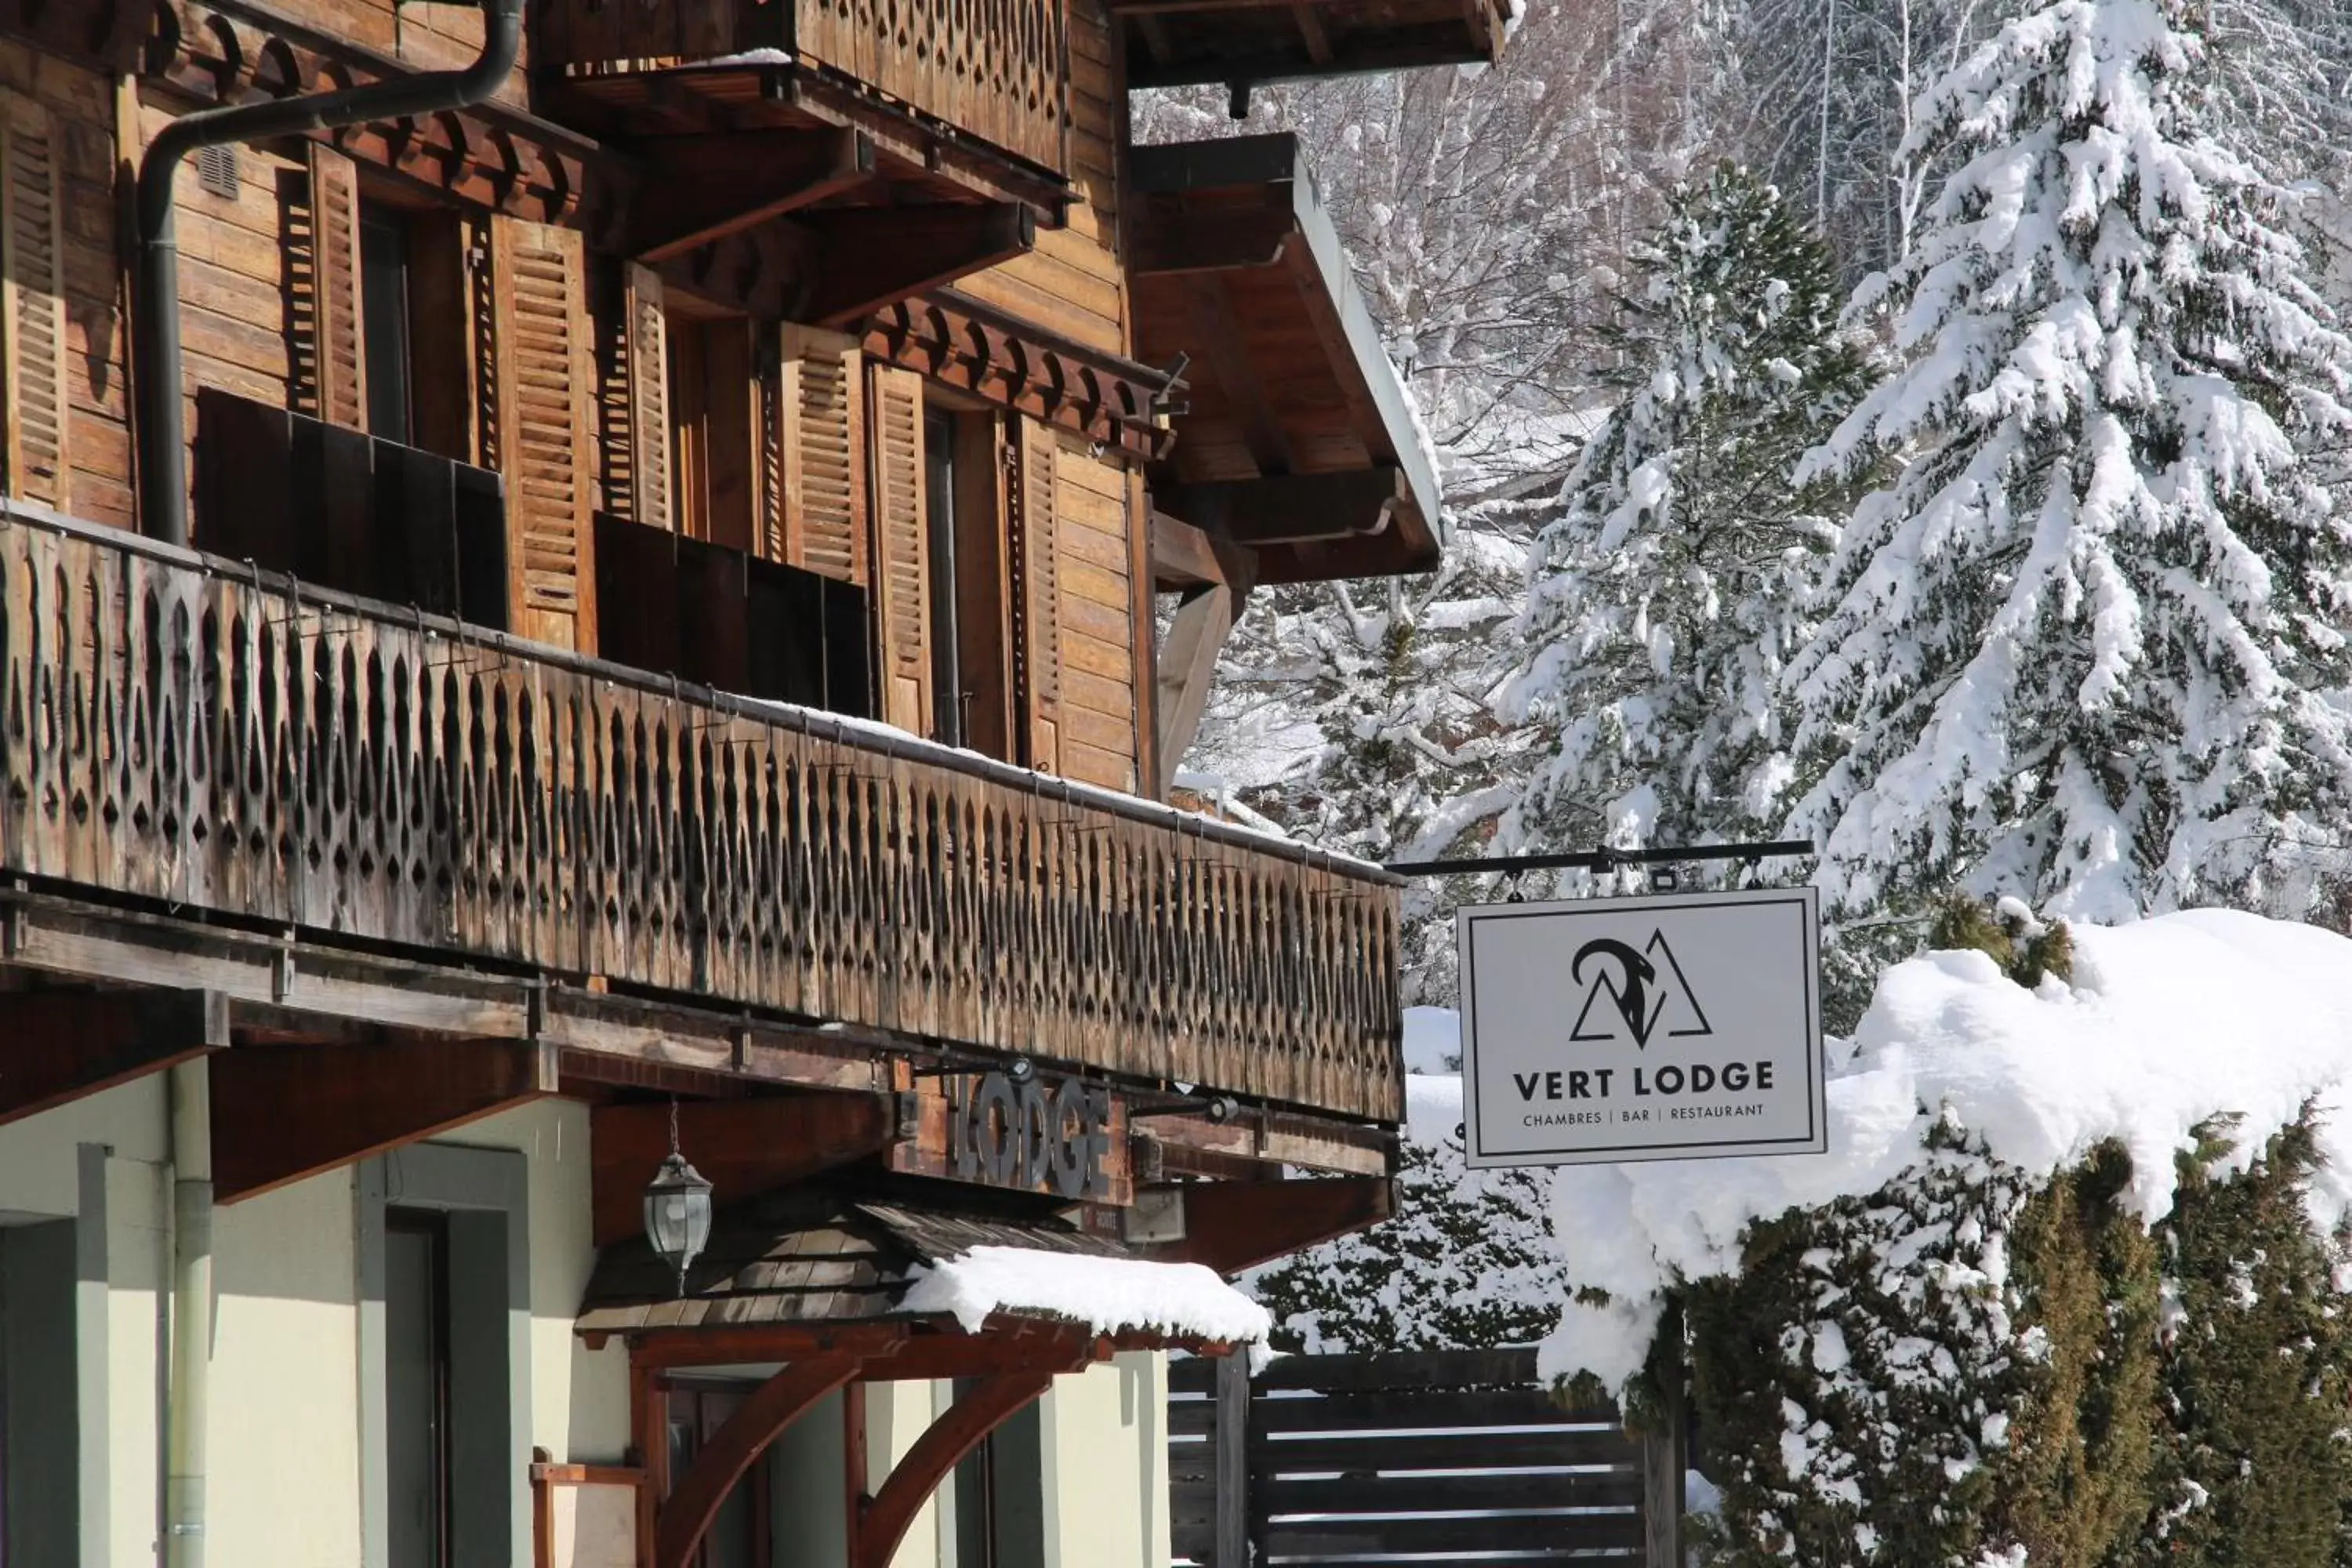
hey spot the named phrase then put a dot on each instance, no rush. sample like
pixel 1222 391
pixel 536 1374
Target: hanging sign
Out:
pixel 1675 1027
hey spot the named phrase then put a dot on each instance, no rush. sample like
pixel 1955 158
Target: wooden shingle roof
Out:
pixel 809 1257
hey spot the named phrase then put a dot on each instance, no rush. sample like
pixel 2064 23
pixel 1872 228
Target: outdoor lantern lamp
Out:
pixel 677 1209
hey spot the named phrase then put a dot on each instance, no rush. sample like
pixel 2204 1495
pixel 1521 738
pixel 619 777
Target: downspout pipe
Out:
pixel 162 423
pixel 189 1409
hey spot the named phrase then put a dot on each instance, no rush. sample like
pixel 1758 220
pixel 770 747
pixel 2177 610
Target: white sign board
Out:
pixel 1676 1027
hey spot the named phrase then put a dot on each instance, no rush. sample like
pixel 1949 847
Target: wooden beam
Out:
pixel 1223 240
pixel 284 1113
pixel 1293 509
pixel 1310 28
pixel 871 257
pixel 1216 336
pixel 1280 1138
pixel 59 1046
pixel 1188 668
pixel 742 1147
pixel 1231 1227
pixel 686 1517
pixel 884 1520
pixel 1185 557
pixel 702 188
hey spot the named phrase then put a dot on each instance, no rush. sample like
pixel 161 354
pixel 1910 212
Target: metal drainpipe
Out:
pixel 189 1390
pixel 162 423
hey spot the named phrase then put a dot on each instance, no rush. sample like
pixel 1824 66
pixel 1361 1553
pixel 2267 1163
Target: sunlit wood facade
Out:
pixel 657 653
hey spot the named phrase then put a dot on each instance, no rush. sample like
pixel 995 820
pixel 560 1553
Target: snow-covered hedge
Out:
pixel 2070 1287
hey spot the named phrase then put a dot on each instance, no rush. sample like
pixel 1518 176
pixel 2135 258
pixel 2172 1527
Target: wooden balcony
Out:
pixel 212 744
pixel 994 74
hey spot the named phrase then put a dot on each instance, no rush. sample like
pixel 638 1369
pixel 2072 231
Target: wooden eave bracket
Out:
pixel 1292 509
pixel 742 1147
pixel 1232 1226
pixel 58 1046
pixel 227 51
pixel 1096 396
pixel 285 1113
pixel 697 189
pixel 869 258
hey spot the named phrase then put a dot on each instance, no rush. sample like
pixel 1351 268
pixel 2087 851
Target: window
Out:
pixel 1000 1497
pixel 963 469
pixel 416 1386
pixel 712 400
pixel 738 1537
pixel 413 328
pixel 384 320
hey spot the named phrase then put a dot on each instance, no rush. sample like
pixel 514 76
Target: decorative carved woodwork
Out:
pixel 964 344
pixel 315 763
pixel 883 1522
pixel 58 1045
pixel 106 34
pixel 227 51
pixel 284 1113
pixel 997 75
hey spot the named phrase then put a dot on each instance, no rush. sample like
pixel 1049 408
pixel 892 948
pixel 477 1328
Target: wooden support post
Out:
pixel 1188 667
pixel 284 1113
pixel 687 1513
pixel 742 1147
pixel 1233 1548
pixel 943 1443
pixel 1664 1463
pixel 58 1045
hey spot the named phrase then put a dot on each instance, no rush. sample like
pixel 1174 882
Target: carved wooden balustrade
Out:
pixel 993 69
pixel 174 728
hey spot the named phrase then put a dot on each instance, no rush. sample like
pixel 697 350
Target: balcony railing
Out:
pixel 175 728
pixel 996 71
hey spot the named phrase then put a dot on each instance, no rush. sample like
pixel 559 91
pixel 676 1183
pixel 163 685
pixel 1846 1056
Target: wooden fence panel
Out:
pixel 1351 1458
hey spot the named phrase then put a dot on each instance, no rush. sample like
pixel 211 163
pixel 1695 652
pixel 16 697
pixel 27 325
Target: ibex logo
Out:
pixel 1641 989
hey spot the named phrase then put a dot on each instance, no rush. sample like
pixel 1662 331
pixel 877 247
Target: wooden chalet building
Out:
pixel 581 585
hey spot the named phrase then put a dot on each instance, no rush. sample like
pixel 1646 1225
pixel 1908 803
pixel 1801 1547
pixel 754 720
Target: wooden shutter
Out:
pixel 33 305
pixel 819 445
pixel 545 427
pixel 902 556
pixel 648 371
pixel 1037 490
pixel 337 352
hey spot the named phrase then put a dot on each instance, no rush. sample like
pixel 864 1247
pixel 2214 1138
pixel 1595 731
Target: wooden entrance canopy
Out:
pixel 1295 441
pixel 809 1285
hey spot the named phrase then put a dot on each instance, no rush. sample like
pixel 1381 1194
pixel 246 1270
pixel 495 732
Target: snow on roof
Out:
pixel 1109 1295
pixel 2169 1023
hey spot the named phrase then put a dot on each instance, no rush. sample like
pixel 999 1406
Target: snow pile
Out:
pixel 1109 1295
pixel 2169 1023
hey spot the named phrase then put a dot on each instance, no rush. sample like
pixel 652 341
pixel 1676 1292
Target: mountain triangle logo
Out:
pixel 1635 994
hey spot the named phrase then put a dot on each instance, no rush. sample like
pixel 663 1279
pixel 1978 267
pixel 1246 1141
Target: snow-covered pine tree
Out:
pixel 1669 591
pixel 1354 716
pixel 1469 1262
pixel 2084 649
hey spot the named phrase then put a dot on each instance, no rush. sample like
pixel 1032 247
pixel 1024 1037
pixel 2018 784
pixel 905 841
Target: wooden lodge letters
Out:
pixel 1062 1136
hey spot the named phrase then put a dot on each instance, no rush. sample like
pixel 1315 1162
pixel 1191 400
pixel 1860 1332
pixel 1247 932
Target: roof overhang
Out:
pixel 1294 438
pixel 1175 43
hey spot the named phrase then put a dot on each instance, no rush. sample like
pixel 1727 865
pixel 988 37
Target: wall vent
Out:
pixel 216 169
